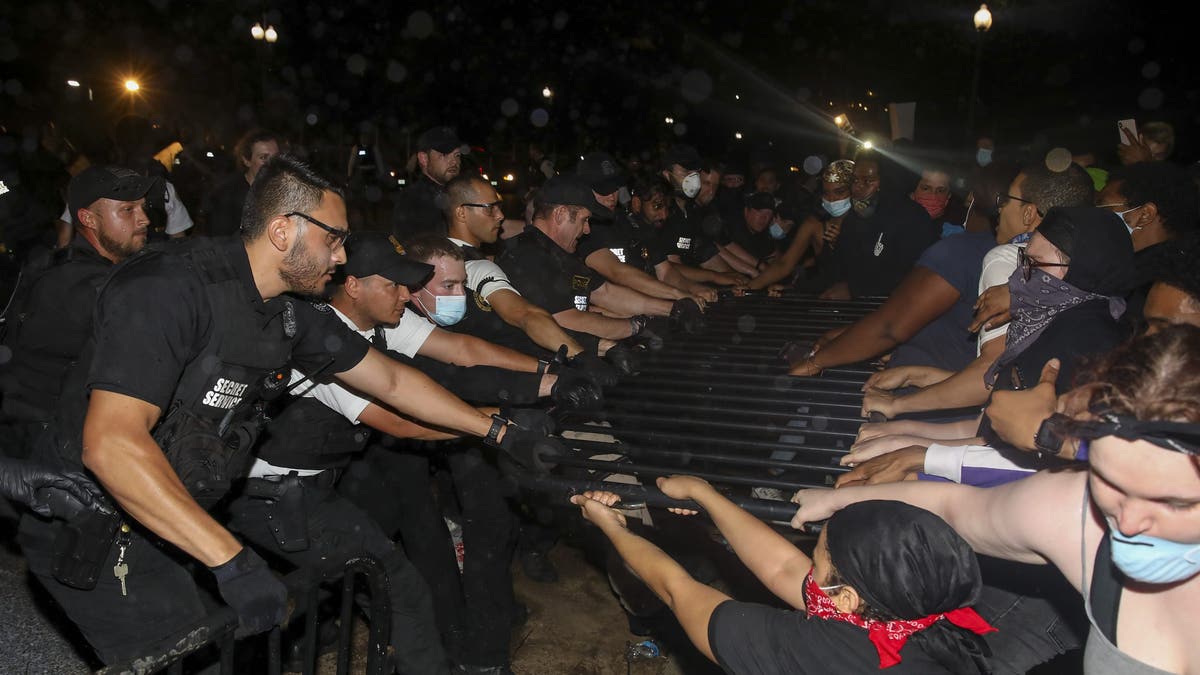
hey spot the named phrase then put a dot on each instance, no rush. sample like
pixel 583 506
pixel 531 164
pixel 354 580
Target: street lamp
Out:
pixel 983 22
pixel 270 36
pixel 132 85
pixel 546 92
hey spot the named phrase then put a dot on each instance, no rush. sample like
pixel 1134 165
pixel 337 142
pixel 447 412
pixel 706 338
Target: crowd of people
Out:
pixel 250 382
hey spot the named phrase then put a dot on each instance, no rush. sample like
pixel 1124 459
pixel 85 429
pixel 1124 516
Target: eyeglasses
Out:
pixel 1003 198
pixel 337 237
pixel 1112 205
pixel 1027 264
pixel 491 207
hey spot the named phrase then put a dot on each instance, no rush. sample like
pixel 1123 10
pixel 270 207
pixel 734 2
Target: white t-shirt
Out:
pixel 998 266
pixel 406 337
pixel 178 219
pixel 487 273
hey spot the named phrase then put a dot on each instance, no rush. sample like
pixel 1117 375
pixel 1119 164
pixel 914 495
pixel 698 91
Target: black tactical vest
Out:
pixel 307 434
pixel 41 354
pixel 217 407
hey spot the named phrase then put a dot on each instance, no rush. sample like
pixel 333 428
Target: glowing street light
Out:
pixel 508 178
pixel 840 121
pixel 257 32
pixel 867 145
pixel 983 19
pixel 669 120
pixel 270 34
pixel 132 85
pixel 72 83
pixel 546 92
pixel 983 22
pixel 737 135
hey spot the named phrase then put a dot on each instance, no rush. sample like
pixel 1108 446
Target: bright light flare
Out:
pixel 270 34
pixel 132 85
pixel 547 92
pixel 72 83
pixel 508 178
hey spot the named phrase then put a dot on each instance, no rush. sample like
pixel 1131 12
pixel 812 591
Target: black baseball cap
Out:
pixel 683 155
pixel 107 182
pixel 442 139
pixel 761 200
pixel 369 253
pixel 569 191
pixel 602 172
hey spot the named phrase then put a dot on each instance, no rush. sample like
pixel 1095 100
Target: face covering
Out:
pixel 450 309
pixel 934 205
pixel 776 231
pixel 1121 215
pixel 1153 560
pixel 889 637
pixel 983 156
pixel 836 209
pixel 691 185
pixel 865 208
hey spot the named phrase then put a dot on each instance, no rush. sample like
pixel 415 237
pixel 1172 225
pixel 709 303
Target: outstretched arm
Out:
pixel 692 602
pixel 779 565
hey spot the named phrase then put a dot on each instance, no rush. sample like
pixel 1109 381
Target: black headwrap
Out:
pixel 1099 246
pixel 1178 436
pixel 907 563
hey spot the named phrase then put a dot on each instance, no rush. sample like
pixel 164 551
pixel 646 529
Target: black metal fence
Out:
pixel 720 405
pixel 305 587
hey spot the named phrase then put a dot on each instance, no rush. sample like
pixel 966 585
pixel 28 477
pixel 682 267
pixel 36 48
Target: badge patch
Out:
pixel 580 283
pixel 581 303
pixel 684 243
pixel 619 252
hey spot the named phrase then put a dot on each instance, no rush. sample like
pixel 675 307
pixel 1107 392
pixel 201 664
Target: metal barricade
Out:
pixel 304 591
pixel 720 405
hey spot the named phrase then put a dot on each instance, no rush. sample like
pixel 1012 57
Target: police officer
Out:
pixel 185 347
pixel 541 265
pixel 419 206
pixel 496 310
pixel 613 250
pixel 52 318
pixel 290 506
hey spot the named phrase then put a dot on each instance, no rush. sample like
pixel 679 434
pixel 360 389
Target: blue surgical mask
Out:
pixel 776 231
pixel 1022 238
pixel 836 209
pixel 450 309
pixel 983 156
pixel 1153 560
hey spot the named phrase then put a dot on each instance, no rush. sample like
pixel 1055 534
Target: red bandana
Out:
pixel 888 636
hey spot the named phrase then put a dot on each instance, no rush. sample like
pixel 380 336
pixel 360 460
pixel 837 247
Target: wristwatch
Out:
pixel 1051 434
pixel 493 433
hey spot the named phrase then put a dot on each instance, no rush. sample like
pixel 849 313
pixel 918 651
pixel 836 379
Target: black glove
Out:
pixel 253 591
pixel 624 358
pixel 687 316
pixel 596 368
pixel 649 339
pixel 50 493
pixel 527 436
pixel 574 390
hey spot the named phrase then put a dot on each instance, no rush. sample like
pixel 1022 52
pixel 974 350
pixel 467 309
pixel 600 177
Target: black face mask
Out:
pixel 865 208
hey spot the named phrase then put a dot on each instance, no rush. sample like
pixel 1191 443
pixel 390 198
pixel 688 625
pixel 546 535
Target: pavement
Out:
pixel 30 644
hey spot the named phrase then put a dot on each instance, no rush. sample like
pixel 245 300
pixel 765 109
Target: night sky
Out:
pixel 1061 72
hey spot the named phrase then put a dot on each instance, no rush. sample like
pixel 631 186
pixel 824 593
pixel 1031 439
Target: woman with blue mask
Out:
pixel 1125 531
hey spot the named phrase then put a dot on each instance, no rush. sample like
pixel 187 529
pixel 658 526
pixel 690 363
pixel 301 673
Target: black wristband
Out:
pixel 493 434
pixel 1051 435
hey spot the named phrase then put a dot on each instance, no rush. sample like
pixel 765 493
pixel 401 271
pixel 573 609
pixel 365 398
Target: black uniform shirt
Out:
pixel 630 240
pixel 545 274
pixel 418 209
pixel 224 206
pixel 153 318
